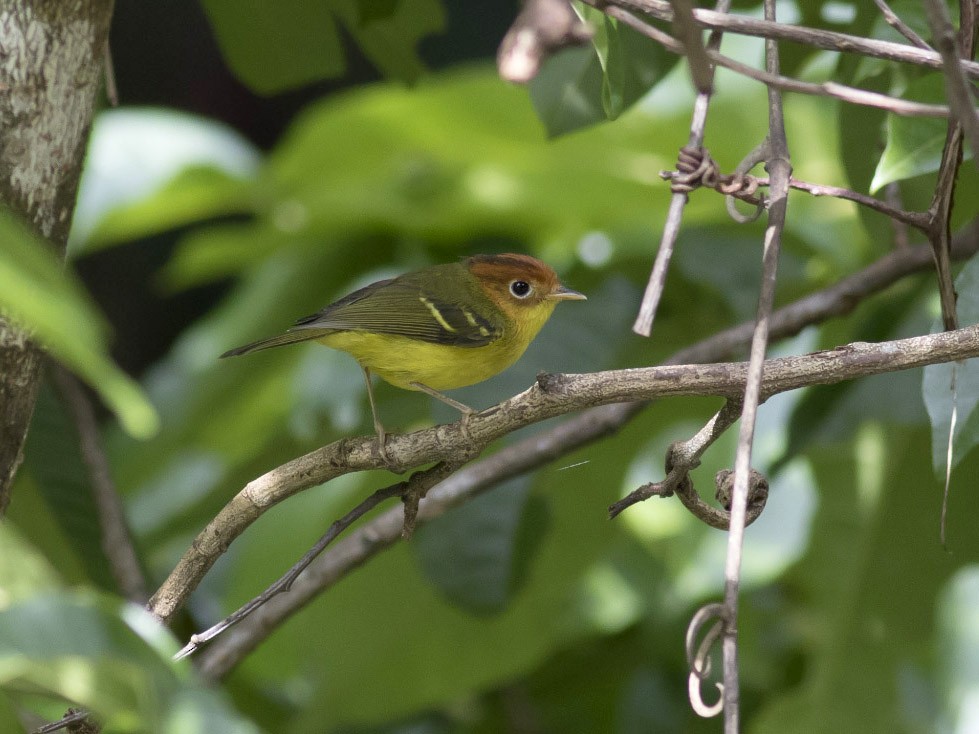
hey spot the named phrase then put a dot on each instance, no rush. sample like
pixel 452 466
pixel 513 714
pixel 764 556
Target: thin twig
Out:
pixel 682 458
pixel 956 85
pixel 690 35
pixel 725 380
pixel 671 229
pixel 416 486
pixel 940 209
pixel 111 90
pixel 833 90
pixel 117 542
pixel 780 170
pixel 815 37
pixel 895 22
pixel 356 454
pixel 69 719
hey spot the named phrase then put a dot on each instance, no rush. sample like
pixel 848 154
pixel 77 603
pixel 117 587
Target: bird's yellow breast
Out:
pixel 402 361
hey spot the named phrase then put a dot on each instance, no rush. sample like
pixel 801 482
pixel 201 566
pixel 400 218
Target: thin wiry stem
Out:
pixel 657 277
pixel 895 22
pixel 780 169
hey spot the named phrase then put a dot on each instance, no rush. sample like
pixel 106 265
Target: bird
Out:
pixel 439 328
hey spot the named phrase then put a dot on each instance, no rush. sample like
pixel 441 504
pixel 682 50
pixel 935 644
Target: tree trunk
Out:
pixel 51 55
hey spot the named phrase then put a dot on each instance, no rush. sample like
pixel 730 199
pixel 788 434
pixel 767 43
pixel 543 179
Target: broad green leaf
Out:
pixel 834 413
pixel 578 87
pixel 914 144
pixel 149 170
pixel 937 385
pixel 470 552
pixel 958 648
pixel 275 46
pixel 568 91
pixel 41 296
pixel 111 658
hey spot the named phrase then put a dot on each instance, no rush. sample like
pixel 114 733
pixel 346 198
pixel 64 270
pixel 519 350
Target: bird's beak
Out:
pixel 563 293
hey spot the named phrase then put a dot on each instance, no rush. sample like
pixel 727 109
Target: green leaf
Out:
pixel 111 658
pixel 568 90
pixel 914 144
pixel 579 87
pixel 150 170
pixel 42 297
pixel 470 553
pixel 875 538
pixel 275 46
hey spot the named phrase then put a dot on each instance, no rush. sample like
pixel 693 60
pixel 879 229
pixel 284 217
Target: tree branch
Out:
pixel 825 89
pixel 956 85
pixel 895 22
pixel 312 469
pixel 671 229
pixel 817 38
pixel 561 391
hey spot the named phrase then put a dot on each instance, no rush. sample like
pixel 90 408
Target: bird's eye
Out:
pixel 520 288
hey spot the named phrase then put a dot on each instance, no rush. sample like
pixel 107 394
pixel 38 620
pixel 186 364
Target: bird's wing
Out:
pixel 404 307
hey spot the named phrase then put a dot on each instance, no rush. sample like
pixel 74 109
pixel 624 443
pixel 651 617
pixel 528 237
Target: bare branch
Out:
pixel 689 34
pixel 726 380
pixel 895 22
pixel 415 487
pixel 956 85
pixel 657 277
pixel 815 37
pixel 825 89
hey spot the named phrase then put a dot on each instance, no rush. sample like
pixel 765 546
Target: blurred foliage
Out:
pixel 275 46
pixel 36 292
pixel 524 610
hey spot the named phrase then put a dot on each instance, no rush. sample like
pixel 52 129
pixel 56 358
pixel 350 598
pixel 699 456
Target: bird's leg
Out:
pixel 382 435
pixel 466 411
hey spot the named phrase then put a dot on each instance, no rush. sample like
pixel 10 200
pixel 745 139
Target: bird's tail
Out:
pixel 290 337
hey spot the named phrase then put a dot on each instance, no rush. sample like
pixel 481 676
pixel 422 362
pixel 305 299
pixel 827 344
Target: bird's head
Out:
pixel 525 289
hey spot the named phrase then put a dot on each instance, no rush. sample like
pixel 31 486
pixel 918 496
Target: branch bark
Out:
pixel 355 454
pixel 50 70
pixel 562 391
